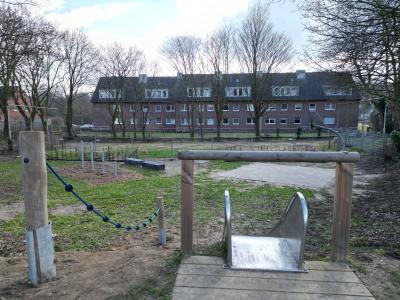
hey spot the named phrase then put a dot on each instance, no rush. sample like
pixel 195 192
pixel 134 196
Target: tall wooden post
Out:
pixel 38 230
pixel 342 211
pixel 187 184
pixel 161 223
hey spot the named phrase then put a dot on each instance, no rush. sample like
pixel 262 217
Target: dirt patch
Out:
pixel 8 212
pixel 97 177
pixel 93 275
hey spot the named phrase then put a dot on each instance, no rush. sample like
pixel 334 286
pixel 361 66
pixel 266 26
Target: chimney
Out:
pixel 301 74
pixel 142 78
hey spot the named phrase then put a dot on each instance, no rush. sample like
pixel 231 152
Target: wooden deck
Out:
pixel 204 277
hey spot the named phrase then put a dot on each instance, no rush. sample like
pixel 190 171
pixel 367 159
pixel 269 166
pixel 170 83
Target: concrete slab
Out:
pixel 281 174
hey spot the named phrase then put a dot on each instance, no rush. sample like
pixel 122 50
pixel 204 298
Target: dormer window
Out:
pixel 156 93
pixel 279 91
pixel 198 92
pixel 337 91
pixel 238 91
pixel 107 94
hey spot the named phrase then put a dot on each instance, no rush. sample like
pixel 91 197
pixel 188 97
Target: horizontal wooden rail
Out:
pixel 270 156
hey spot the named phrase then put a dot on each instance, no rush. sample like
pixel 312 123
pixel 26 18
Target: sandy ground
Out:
pixel 313 177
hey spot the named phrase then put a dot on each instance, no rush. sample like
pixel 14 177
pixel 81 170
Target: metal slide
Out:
pixel 282 250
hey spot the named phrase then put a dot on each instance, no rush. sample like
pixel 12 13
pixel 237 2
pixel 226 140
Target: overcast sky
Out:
pixel 146 23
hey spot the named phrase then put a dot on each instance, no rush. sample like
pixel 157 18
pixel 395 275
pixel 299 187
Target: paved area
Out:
pixel 312 177
pixel 204 277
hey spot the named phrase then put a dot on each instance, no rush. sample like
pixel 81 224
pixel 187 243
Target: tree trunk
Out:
pixel 257 125
pixel 6 132
pixel 69 117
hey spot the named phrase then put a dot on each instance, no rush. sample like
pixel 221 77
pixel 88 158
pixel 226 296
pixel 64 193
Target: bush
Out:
pixel 395 136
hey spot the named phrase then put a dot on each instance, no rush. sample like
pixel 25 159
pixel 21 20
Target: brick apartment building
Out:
pixel 294 100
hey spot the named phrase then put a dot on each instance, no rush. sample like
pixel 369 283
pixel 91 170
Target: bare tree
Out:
pixel 15 43
pixel 183 54
pixel 117 65
pixel 362 37
pixel 79 67
pixel 219 52
pixel 261 51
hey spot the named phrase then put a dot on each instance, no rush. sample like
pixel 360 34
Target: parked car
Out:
pixel 86 126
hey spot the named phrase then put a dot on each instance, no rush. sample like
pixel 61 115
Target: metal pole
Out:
pixel 81 149
pixel 102 163
pixel 91 155
pixel 161 223
pixel 115 168
pixel 384 119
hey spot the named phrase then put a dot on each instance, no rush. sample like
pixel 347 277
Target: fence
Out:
pixel 367 143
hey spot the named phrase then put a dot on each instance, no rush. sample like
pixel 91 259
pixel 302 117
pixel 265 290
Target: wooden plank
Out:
pixel 314 275
pixel 273 285
pixel 342 212
pixel 187 184
pixel 192 293
pixel 270 156
pixel 203 260
pixel 327 266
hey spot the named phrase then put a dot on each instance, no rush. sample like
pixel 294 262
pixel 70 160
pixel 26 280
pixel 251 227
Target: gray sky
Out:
pixel 146 23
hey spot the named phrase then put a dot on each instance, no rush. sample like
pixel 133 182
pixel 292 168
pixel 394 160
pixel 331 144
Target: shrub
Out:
pixel 395 136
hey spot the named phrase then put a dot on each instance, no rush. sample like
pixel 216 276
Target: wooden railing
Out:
pixel 343 193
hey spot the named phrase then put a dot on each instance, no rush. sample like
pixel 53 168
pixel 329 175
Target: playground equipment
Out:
pixel 343 192
pixel 281 250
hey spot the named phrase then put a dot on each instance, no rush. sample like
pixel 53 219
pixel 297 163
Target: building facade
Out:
pixel 293 100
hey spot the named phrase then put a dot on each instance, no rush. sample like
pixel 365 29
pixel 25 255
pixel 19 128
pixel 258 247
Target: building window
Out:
pixel 225 121
pixel 270 121
pixel 117 121
pixel 210 107
pixel 284 106
pixel 298 107
pixel 200 121
pixel 158 108
pixel 200 107
pixel 236 107
pixel 170 121
pixel 297 120
pixel 336 91
pixel 185 107
pixel 235 121
pixel 132 108
pixel 210 121
pixel 330 106
pixel 329 120
pixel 107 94
pixel 198 92
pixel 279 91
pixel 250 121
pixel 132 121
pixel 271 107
pixel 185 121
pixel 237 91
pixel 169 108
pixel 116 108
pixel 312 107
pixel 250 107
pixel 145 108
pixel 226 107
pixel 283 121
pixel 158 121
pixel 156 93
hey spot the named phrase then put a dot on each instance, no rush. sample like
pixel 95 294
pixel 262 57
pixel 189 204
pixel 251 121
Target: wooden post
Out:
pixel 91 155
pixel 161 223
pixel 187 184
pixel 38 230
pixel 82 151
pixel 342 211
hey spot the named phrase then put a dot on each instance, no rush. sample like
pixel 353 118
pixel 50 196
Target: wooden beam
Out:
pixel 270 156
pixel 342 212
pixel 187 184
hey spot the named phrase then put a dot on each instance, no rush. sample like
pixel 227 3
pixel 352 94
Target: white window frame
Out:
pixel 210 107
pixel 210 121
pixel 169 121
pixel 329 123
pixel 312 109
pixel 157 108
pixel 132 107
pixel 338 91
pixel 253 121
pixel 132 121
pixel 117 121
pixel 285 91
pixel 145 108
pixel 271 107
pixel 223 108
pixel 287 106
pixel 107 93
pixel 223 123
pixel 156 93
pixel 198 122
pixel 237 108
pixel 285 123
pixel 250 107
pixel 199 92
pixel 297 105
pixel 158 122
pixel 200 107
pixel 239 91
pixel 269 121
pixel 330 106
pixel 185 121
pixel 294 122
pixel 185 107
pixel 170 108
pixel 235 123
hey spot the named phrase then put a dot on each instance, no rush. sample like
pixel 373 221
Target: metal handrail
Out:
pixel 227 234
